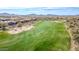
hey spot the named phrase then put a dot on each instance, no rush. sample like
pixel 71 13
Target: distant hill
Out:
pixel 7 14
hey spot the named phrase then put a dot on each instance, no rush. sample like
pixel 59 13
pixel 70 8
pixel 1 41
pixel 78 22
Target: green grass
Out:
pixel 45 36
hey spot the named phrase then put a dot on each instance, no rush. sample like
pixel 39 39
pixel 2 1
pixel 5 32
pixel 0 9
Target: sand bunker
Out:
pixel 20 29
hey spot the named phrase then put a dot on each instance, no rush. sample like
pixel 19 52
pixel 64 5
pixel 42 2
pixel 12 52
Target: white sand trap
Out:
pixel 20 29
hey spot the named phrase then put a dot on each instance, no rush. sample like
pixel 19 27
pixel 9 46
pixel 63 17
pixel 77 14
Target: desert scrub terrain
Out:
pixel 45 36
pixel 73 27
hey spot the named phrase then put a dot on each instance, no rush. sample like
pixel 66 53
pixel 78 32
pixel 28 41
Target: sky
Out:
pixel 38 3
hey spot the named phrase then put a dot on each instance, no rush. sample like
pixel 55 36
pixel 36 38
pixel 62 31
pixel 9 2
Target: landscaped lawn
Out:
pixel 45 36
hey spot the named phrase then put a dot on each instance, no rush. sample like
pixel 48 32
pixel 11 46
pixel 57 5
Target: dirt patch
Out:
pixel 20 29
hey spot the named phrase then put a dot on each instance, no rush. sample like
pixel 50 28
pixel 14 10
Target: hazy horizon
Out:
pixel 24 7
pixel 42 11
